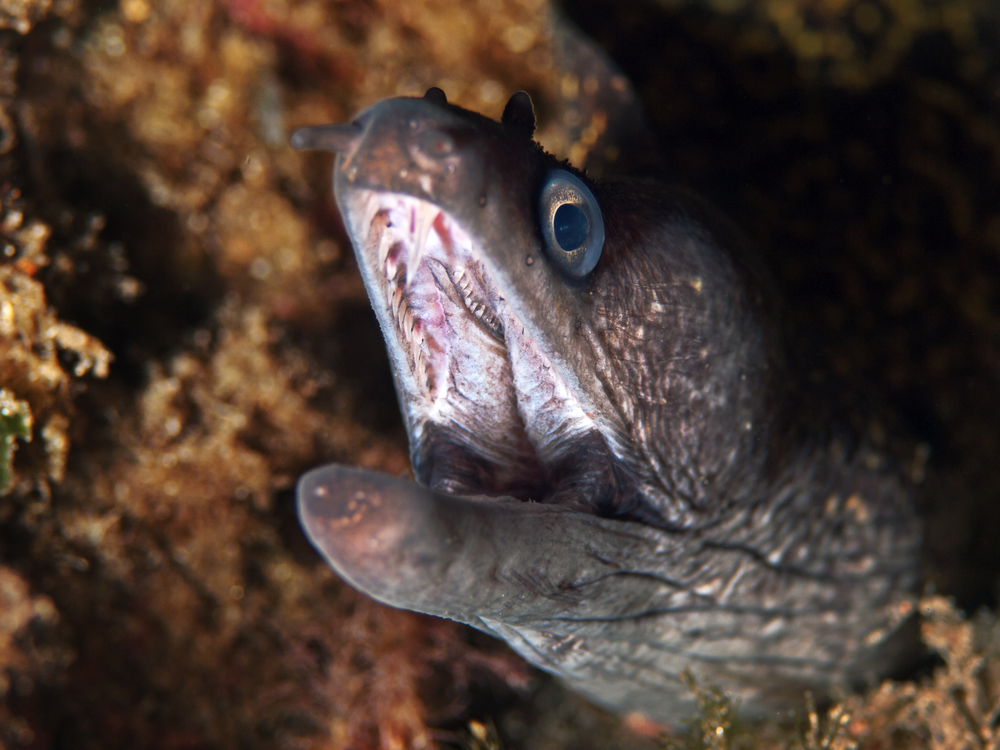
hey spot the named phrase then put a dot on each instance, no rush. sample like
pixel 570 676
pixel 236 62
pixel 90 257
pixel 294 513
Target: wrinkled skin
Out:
pixel 617 474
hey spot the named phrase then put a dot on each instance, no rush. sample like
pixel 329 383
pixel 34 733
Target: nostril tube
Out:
pixel 436 96
pixel 339 139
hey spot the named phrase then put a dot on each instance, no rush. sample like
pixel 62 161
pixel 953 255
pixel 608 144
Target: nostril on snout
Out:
pixel 338 138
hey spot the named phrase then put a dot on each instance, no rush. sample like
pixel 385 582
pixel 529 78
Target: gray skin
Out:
pixel 616 474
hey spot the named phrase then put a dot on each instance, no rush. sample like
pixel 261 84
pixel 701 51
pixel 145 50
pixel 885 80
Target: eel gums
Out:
pixel 617 471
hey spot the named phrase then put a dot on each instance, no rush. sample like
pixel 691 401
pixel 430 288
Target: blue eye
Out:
pixel 572 226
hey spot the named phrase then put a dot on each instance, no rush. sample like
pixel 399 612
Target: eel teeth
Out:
pixel 395 301
pixel 405 322
pixel 379 224
pixel 392 261
pixel 479 310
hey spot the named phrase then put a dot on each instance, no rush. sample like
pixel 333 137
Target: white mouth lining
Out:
pixel 424 266
pixel 461 355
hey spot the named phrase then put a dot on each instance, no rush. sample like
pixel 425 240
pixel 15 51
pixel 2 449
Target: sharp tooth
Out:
pixel 397 297
pixel 420 221
pixel 373 206
pixel 385 244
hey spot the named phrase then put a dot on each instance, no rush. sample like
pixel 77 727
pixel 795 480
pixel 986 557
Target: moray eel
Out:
pixel 615 470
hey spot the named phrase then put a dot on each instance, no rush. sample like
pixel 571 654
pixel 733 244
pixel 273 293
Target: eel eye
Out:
pixel 572 226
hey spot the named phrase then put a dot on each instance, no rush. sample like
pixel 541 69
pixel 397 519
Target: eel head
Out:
pixel 612 470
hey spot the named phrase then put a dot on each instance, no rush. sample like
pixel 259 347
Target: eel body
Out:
pixel 616 472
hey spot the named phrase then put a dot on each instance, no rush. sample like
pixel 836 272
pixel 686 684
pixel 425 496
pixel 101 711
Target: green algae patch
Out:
pixel 714 727
pixel 15 422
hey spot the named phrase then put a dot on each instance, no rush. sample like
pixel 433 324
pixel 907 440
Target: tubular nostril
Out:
pixel 436 96
pixel 338 138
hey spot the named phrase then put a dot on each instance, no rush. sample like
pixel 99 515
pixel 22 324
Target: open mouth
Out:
pixel 445 328
pixel 465 366
pixel 406 238
pixel 433 286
